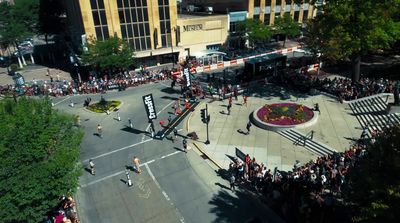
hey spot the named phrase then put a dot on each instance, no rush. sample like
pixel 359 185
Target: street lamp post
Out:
pixel 172 48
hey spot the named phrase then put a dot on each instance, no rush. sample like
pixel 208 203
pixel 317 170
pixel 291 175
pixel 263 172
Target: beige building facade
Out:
pixel 152 27
pixel 201 33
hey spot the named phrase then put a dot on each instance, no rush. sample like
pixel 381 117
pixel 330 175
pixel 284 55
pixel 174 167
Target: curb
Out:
pixel 207 155
pixel 199 148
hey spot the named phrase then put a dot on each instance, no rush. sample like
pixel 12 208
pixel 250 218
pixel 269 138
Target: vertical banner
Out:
pixel 149 106
pixel 186 74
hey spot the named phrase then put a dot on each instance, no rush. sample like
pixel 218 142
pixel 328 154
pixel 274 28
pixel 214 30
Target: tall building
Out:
pixel 152 27
pixel 145 24
pixel 263 10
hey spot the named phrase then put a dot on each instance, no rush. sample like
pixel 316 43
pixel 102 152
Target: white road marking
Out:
pixel 123 171
pixel 114 151
pixel 163 192
pixel 148 126
pixel 62 100
pixel 103 178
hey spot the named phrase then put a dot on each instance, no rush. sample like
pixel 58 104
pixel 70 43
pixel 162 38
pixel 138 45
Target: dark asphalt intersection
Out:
pixel 173 187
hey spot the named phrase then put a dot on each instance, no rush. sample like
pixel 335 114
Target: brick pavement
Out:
pixel 335 127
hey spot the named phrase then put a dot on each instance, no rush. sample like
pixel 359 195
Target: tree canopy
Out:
pixel 39 152
pixel 375 182
pixel 110 54
pixel 287 26
pixel 254 31
pixel 50 17
pixel 18 21
pixel 348 29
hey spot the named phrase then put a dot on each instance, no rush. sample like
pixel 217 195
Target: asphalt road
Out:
pixel 173 187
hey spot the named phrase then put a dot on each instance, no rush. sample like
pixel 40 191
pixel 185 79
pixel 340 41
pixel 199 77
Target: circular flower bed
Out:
pixel 104 106
pixel 285 114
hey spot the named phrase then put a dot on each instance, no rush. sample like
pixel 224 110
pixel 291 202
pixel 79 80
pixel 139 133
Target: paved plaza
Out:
pixel 335 129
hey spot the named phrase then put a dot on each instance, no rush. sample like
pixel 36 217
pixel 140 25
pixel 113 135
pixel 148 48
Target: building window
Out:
pixel 233 27
pixel 266 19
pixel 99 19
pixel 296 16
pixel 256 3
pixel 256 17
pixel 305 15
pixel 165 23
pixel 134 20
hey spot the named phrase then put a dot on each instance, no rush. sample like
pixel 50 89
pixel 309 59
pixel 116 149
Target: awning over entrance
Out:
pixel 207 53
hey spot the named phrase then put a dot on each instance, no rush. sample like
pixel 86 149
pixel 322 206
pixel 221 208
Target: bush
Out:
pixel 14 67
pixel 103 106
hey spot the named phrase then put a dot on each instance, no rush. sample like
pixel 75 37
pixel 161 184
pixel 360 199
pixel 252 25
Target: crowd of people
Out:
pixel 346 90
pixel 308 193
pixel 64 212
pixel 93 85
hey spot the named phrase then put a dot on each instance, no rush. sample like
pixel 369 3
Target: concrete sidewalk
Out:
pixel 336 128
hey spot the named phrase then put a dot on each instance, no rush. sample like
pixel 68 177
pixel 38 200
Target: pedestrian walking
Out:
pixel 169 119
pixel 364 133
pixel 245 100
pixel 248 127
pixel 316 108
pixel 136 163
pixel 71 103
pixel 232 181
pixel 235 93
pixel 175 134
pixel 229 109
pixel 184 142
pixel 118 116
pixel 230 100
pixel 91 167
pixel 130 123
pixel 99 130
pixel 78 120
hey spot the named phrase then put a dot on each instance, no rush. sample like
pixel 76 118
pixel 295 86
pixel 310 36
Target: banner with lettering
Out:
pixel 186 74
pixel 149 106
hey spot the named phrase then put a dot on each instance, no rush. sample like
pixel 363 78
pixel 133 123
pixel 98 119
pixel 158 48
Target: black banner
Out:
pixel 186 74
pixel 149 106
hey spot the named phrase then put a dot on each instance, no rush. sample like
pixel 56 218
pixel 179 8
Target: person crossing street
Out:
pixel 136 163
pixel 91 167
pixel 99 130
pixel 175 134
pixel 184 142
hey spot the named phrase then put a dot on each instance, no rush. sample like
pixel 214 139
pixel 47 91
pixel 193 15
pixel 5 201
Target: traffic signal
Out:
pixel 208 118
pixel 203 115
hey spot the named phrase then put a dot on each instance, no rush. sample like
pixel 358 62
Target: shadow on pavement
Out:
pixel 133 130
pixel 170 98
pixel 224 174
pixel 237 207
pixel 222 186
pixel 169 90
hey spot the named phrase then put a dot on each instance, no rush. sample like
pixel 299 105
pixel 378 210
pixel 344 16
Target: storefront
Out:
pixel 199 33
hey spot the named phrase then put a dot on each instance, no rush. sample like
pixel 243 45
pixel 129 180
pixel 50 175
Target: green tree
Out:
pixel 39 152
pixel 375 182
pixel 110 54
pixel 349 29
pixel 51 21
pixel 18 21
pixel 254 31
pixel 287 26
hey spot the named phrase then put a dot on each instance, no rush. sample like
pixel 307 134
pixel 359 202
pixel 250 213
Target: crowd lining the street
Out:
pixel 64 212
pixel 308 193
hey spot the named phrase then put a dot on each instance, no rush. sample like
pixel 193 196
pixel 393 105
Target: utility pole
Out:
pixel 205 118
